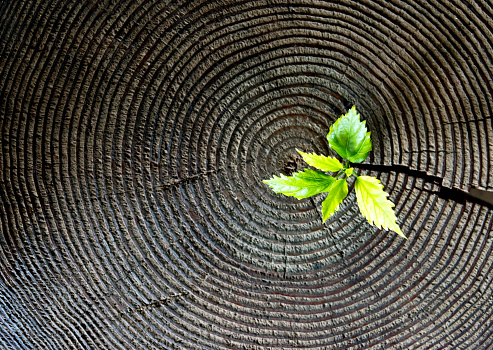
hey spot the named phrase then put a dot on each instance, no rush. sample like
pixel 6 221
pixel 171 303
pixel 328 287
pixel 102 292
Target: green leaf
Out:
pixel 374 205
pixel 349 137
pixel 323 163
pixel 336 195
pixel 349 172
pixel 302 184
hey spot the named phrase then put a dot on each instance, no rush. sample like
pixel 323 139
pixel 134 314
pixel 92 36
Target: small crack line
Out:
pixel 339 251
pixel 318 211
pixel 285 259
pixel 154 304
pixel 158 187
pixel 175 182
pixel 470 121
pixel 430 151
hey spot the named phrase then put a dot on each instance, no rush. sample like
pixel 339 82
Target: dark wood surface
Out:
pixel 135 136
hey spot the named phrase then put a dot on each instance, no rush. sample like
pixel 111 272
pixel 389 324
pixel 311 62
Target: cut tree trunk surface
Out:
pixel 135 137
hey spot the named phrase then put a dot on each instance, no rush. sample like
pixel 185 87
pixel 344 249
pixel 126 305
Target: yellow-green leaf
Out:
pixel 323 163
pixel 303 184
pixel 349 137
pixel 338 191
pixel 374 205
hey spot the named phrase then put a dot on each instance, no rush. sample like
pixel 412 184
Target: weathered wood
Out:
pixel 134 138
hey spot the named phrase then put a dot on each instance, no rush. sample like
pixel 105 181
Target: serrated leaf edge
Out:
pixel 337 206
pixel 294 175
pixel 394 226
pixel 303 154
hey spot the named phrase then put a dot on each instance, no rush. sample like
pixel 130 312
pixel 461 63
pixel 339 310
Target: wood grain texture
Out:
pixel 135 136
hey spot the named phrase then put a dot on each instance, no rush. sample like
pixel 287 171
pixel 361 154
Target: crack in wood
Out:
pixel 430 151
pixel 339 251
pixel 154 304
pixel 470 121
pixel 474 195
pixel 174 182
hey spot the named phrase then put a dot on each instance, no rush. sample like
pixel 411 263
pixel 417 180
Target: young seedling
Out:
pixel 349 137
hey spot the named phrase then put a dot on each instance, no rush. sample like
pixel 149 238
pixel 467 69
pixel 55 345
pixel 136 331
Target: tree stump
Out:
pixel 135 137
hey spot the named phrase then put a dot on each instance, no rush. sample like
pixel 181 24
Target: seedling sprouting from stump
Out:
pixel 349 137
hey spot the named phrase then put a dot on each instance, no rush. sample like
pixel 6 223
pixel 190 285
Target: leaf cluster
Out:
pixel 349 137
